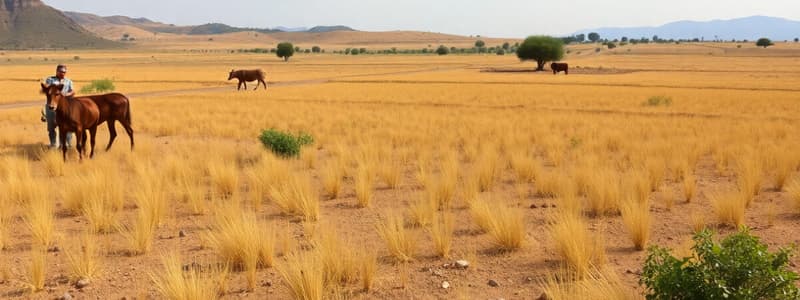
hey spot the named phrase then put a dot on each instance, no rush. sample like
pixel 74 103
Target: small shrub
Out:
pixel 658 101
pixel 740 267
pixel 98 86
pixel 284 144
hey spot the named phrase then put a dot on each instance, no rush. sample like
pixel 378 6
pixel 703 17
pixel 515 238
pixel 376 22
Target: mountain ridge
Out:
pixel 745 28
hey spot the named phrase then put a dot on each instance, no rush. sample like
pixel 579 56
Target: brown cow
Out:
pixel 73 114
pixel 558 67
pixel 248 75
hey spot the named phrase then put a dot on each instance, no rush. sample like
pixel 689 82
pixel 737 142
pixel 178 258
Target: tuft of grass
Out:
pixel 749 178
pixel 656 101
pixel 332 180
pixel 40 220
pixel 636 217
pixel 730 206
pixel 391 173
pixel 339 262
pixel 794 193
pixel 575 244
pixel 6 213
pixel 689 187
pixel 401 243
pixel 597 284
pixel 698 222
pixel 603 193
pixel 296 196
pixel 364 184
pixel 656 168
pixel 53 163
pixel 526 167
pixel 504 224
pixel 98 86
pixel 369 266
pixel 423 209
pixel 36 273
pixel 224 178
pixel 172 282
pixel 441 232
pixel 487 170
pixel 240 239
pixel 303 275
pixel 83 258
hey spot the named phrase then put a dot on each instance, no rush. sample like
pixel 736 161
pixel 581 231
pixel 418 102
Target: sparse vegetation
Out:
pixel 99 86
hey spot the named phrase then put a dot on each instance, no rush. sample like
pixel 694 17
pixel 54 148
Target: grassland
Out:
pixel 496 168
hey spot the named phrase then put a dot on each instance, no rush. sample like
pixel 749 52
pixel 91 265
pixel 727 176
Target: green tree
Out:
pixel 796 40
pixel 316 49
pixel 764 42
pixel 285 50
pixel 541 49
pixel 479 44
pixel 506 45
pixel 580 38
pixel 594 37
pixel 442 50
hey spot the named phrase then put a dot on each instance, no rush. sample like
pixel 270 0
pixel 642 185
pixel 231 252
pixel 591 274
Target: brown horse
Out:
pixel 73 115
pixel 558 67
pixel 114 107
pixel 248 75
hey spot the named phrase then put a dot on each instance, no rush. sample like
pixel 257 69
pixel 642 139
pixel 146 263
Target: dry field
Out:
pixel 418 161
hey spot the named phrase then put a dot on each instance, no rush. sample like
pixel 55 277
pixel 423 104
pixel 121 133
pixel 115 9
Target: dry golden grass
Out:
pixel 369 266
pixel 296 196
pixel 340 264
pixel 303 274
pixel 422 209
pixel 173 282
pixel 83 258
pixel 441 231
pixel 6 213
pixel 391 173
pixel 505 225
pixel 526 168
pixel 224 178
pixel 598 284
pixel 730 206
pixel 748 177
pixel 574 242
pixel 241 239
pixel 36 273
pixel 793 189
pixel 364 183
pixel 40 220
pixel 332 180
pixel 604 193
pixel 689 187
pixel 400 242
pixel 53 163
pixel 637 220
pixel 698 222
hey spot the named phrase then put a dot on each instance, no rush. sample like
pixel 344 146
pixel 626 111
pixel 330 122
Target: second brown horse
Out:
pixel 248 75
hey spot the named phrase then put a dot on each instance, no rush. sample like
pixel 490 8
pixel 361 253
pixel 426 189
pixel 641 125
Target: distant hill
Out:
pixel 91 22
pixel 749 28
pixel 26 24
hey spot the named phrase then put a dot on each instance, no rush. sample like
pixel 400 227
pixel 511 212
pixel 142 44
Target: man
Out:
pixel 48 115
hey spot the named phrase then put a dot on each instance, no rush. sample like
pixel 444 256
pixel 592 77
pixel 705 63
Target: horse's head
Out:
pixel 54 95
pixel 231 74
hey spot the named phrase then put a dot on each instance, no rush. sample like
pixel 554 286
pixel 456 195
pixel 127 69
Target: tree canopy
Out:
pixel 764 42
pixel 541 49
pixel 285 50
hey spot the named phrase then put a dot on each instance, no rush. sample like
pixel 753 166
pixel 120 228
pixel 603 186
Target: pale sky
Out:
pixel 504 18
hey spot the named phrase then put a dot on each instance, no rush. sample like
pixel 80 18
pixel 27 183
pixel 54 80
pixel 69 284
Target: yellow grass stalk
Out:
pixel 636 217
pixel 303 275
pixel 140 234
pixel 6 213
pixel 309 158
pixel 507 227
pixel 36 273
pixel 749 177
pixel 339 263
pixel 656 168
pixel 793 189
pixel 172 282
pixel 730 206
pixel 53 163
pixel 487 170
pixel 224 178
pixel 525 166
pixel 441 232
pixel 400 242
pixel 256 189
pixel 604 193
pixel 364 184
pixel 391 173
pixel 83 258
pixel 698 222
pixel 551 184
pixel 597 284
pixel 423 209
pixel 575 244
pixel 332 180
pixel 239 238
pixel 369 266
pixel 296 196
pixel 40 220
pixel 689 187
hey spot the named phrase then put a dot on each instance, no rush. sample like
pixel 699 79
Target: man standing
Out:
pixel 48 115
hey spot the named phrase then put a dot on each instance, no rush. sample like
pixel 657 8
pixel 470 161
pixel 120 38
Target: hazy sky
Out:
pixel 504 18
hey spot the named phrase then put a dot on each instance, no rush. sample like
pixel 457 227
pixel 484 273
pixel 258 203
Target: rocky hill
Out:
pixel 30 24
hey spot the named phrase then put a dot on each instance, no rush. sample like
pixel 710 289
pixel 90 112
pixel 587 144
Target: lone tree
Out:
pixel 594 37
pixel 285 50
pixel 316 49
pixel 442 50
pixel 541 49
pixel 479 44
pixel 764 42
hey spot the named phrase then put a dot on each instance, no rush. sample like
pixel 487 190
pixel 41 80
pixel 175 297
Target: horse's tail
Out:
pixel 128 110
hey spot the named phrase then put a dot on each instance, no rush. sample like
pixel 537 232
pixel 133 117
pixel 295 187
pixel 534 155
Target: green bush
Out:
pixel 98 86
pixel 658 101
pixel 285 144
pixel 741 267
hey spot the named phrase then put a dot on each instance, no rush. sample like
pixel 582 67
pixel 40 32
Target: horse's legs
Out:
pixel 128 129
pixel 245 84
pixel 239 87
pixel 83 141
pixel 93 132
pixel 62 139
pixel 264 82
pixel 112 130
pixel 80 139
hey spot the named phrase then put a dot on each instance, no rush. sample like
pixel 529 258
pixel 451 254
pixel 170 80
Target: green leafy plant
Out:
pixel 740 267
pixel 98 86
pixel 658 101
pixel 285 144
